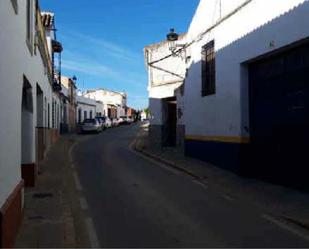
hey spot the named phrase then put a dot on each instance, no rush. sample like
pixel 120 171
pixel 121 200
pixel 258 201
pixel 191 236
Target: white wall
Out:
pixel 86 104
pixel 244 36
pixel 174 64
pixel 16 61
pixel 110 98
pixel 99 107
pixel 163 84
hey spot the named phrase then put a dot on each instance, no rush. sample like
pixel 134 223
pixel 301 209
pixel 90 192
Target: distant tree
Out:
pixel 147 111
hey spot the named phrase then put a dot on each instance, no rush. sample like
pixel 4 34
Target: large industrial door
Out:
pixel 279 116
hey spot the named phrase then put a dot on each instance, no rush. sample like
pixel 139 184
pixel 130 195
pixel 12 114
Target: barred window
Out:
pixel 208 69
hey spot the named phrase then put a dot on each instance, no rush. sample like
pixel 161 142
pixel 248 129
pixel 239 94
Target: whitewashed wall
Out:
pixel 86 104
pixel 163 84
pixel 100 107
pixel 244 36
pixel 110 98
pixel 16 61
pixel 174 64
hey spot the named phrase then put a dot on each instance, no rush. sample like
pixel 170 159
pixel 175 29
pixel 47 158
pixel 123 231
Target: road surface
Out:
pixel 135 202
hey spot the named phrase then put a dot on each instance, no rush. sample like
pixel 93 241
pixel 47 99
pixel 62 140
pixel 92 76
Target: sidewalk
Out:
pixel 52 216
pixel 284 203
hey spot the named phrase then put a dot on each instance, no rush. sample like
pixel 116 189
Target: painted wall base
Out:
pixel 155 135
pixel 54 135
pixel 10 217
pixel 29 173
pixel 180 138
pixel 229 156
pixel 241 159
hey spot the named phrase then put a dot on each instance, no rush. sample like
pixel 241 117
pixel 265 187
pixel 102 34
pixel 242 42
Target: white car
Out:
pixel 108 122
pixel 122 120
pixel 101 122
pixel 91 125
pixel 115 122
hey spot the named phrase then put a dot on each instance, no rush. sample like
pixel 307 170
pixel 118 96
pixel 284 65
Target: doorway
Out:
pixel 39 124
pixel 169 112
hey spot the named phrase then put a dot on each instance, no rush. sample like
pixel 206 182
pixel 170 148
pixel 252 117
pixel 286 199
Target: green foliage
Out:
pixel 147 111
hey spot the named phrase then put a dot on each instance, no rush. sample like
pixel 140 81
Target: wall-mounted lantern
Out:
pixel 74 79
pixel 172 38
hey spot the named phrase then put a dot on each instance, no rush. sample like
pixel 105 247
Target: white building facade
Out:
pixel 115 103
pixel 246 91
pixel 30 107
pixel 165 81
pixel 68 105
pixel 88 108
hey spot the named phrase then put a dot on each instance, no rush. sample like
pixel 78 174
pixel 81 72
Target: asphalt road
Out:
pixel 134 202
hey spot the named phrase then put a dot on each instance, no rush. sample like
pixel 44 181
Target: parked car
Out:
pixel 122 120
pixel 102 122
pixel 108 122
pixel 126 120
pixel 91 125
pixel 115 122
pixel 102 119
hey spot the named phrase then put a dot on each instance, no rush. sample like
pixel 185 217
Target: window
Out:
pixel 45 111
pixel 208 69
pixel 48 121
pixel 79 116
pixel 53 114
pixel 58 116
pixel 27 103
pixel 15 6
pixel 85 115
pixel 29 28
pixel 90 114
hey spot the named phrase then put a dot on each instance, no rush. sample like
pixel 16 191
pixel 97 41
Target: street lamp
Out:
pixel 172 38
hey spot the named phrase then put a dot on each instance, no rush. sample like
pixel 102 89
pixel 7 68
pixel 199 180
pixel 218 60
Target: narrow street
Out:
pixel 135 202
pixel 128 125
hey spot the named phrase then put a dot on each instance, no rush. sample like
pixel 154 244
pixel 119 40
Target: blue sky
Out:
pixel 103 40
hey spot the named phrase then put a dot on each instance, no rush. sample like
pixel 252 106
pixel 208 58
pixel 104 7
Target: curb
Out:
pixel 297 222
pixel 166 162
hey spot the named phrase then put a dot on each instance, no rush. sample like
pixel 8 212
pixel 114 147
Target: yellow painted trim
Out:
pixel 222 139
